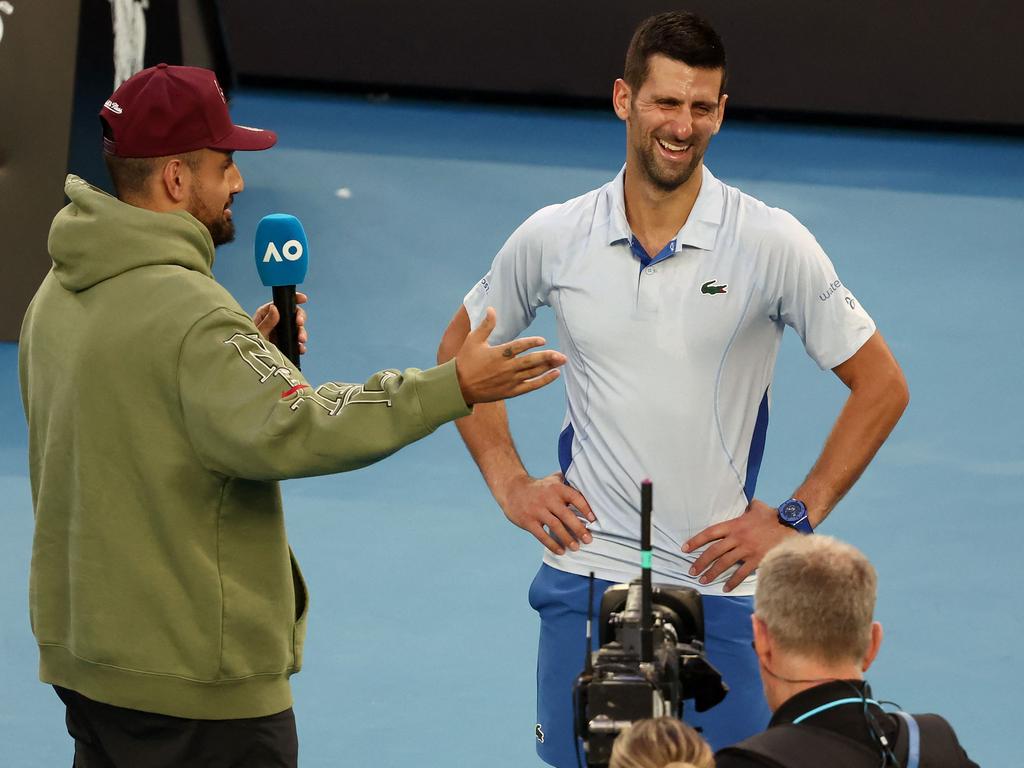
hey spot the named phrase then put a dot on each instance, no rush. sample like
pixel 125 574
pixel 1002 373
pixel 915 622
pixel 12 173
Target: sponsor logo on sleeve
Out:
pixel 828 292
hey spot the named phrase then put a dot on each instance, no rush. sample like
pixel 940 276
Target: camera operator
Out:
pixel 661 742
pixel 814 637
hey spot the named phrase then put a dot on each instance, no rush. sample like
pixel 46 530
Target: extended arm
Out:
pixel 249 415
pixel 877 399
pixel 530 503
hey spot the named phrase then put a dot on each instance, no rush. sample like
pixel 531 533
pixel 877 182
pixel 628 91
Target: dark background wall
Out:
pixel 941 63
pixel 912 60
pixel 36 86
pixel 177 32
pixel 56 70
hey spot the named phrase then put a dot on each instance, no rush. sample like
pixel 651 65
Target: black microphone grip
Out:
pixel 287 331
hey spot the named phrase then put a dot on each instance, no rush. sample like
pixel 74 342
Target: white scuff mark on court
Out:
pixel 344 193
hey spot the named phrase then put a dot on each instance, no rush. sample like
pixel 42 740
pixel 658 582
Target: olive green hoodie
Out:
pixel 159 423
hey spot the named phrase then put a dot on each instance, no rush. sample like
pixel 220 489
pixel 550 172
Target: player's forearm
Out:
pixel 486 431
pixel 489 441
pixel 872 410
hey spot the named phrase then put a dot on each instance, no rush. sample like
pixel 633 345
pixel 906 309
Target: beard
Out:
pixel 221 228
pixel 666 179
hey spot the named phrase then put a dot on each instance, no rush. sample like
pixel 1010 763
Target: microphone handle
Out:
pixel 287 331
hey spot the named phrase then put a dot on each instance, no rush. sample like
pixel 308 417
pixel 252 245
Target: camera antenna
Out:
pixel 646 622
pixel 588 664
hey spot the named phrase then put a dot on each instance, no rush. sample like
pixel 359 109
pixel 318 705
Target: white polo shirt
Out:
pixel 670 363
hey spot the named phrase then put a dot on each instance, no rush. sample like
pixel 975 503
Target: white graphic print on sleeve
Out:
pixel 332 396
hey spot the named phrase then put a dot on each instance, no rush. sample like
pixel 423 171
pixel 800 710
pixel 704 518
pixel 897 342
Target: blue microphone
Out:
pixel 282 257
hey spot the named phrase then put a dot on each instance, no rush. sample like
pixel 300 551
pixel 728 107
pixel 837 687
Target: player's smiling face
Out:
pixel 670 119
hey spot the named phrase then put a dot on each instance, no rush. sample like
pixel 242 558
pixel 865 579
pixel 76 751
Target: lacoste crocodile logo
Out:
pixel 711 290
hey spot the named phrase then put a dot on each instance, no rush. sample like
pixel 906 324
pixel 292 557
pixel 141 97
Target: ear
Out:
pixel 621 98
pixel 721 111
pixel 762 640
pixel 876 643
pixel 176 180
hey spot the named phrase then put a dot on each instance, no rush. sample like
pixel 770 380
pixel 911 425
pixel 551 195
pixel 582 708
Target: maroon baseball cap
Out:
pixel 167 110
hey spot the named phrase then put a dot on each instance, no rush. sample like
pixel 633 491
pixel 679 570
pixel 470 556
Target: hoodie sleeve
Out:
pixel 248 414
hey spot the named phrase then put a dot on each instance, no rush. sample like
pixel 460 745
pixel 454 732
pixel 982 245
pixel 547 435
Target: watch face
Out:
pixel 792 511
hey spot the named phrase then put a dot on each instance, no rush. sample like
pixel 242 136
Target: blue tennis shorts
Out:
pixel 561 600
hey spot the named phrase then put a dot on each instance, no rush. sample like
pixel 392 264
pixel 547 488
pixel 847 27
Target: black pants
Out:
pixel 113 737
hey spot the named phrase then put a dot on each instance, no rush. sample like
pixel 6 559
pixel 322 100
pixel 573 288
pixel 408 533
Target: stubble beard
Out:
pixel 656 173
pixel 221 229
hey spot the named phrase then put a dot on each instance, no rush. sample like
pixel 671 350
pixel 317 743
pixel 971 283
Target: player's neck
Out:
pixel 656 215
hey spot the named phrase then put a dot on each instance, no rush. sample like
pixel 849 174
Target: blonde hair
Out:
pixel 662 742
pixel 816 595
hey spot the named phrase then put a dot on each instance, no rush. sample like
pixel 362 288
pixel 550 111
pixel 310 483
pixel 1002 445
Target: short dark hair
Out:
pixel 131 174
pixel 679 35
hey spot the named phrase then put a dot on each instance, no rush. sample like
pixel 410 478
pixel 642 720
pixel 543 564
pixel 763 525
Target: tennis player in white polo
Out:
pixel 671 292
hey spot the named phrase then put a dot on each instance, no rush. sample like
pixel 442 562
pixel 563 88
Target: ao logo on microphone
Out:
pixel 282 250
pixel 292 251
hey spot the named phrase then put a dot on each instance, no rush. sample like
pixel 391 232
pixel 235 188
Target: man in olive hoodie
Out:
pixel 168 608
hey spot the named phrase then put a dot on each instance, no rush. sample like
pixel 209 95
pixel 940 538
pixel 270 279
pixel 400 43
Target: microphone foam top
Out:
pixel 282 252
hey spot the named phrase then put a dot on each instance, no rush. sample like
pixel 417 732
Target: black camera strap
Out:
pixel 807 746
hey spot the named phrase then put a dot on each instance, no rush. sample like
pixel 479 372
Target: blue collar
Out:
pixel 641 253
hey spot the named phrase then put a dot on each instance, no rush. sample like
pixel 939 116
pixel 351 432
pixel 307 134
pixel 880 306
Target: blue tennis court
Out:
pixel 421 645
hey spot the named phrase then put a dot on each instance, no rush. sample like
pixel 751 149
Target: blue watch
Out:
pixel 793 513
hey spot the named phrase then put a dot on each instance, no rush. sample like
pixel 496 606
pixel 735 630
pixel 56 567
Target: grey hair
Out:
pixel 816 595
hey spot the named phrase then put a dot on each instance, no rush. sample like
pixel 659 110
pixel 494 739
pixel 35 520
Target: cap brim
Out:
pixel 243 138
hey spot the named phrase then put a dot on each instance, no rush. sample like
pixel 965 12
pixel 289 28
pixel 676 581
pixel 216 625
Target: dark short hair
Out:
pixel 131 174
pixel 679 35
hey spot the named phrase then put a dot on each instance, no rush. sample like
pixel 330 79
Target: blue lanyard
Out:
pixel 823 707
pixel 914 750
pixel 914 733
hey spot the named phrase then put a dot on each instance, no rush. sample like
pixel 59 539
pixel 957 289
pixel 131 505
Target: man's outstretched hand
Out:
pixel 489 373
pixel 745 540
